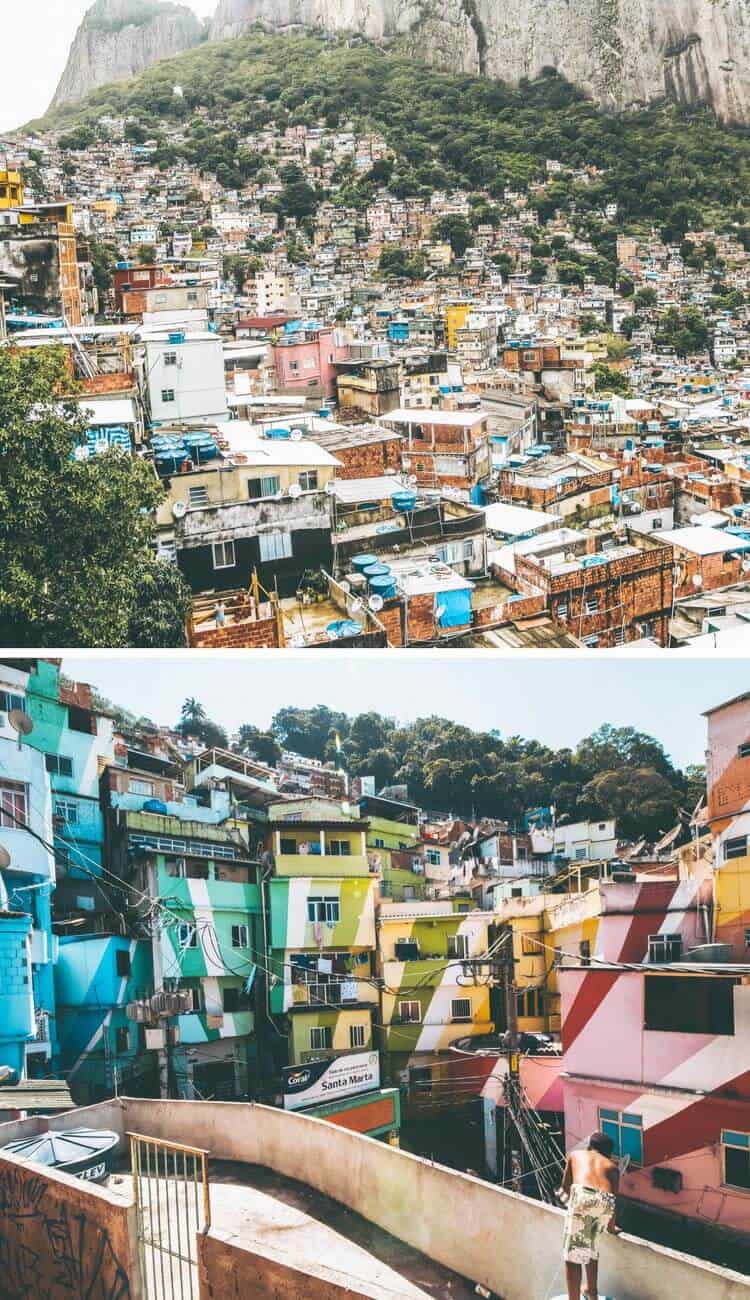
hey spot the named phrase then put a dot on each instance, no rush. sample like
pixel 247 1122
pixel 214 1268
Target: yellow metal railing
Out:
pixel 173 1205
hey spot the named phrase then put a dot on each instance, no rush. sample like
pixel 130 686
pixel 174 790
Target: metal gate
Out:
pixel 173 1204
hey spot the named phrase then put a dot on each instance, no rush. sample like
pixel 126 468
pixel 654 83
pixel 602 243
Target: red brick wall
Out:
pixel 260 634
pixel 370 460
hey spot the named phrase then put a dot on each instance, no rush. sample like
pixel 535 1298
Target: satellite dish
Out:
pixel 20 722
pixel 357 605
pixel 4 857
pixel 179 509
pixel 345 585
pixel 331 487
pixel 375 603
pixel 295 491
pixel 297 435
pixel 298 642
pixel 616 473
pixel 413 480
pixel 697 580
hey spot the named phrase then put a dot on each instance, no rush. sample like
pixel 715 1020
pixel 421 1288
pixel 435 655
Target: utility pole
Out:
pixel 511 1085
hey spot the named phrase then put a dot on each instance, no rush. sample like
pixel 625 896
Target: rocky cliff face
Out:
pixel 621 52
pixel 120 38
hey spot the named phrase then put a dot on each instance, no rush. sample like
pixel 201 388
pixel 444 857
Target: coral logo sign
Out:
pixel 345 1076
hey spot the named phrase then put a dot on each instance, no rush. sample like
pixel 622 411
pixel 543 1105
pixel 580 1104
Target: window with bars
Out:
pixel 13 805
pixel 240 936
pixel 458 945
pixel 198 496
pixel 57 765
pixel 187 935
pixel 357 1036
pixel 67 811
pixel 461 1009
pixel 138 786
pixel 321 1038
pixel 409 1012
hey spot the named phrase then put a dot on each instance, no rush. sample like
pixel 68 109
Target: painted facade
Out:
pixel 204 941
pixel 102 1052
pixel 75 739
pixel 728 812
pixel 430 999
pixel 321 930
pixel 394 848
pixel 672 1084
pixel 28 1035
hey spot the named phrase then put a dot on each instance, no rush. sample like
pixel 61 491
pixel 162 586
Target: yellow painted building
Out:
pixel 11 189
pixel 455 319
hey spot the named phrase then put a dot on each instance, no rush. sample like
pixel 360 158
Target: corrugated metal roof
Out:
pixel 38 1095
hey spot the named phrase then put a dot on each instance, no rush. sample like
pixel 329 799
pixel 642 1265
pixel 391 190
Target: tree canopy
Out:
pixel 77 566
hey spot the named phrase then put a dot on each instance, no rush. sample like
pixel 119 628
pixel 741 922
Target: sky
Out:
pixel 36 38
pixel 555 700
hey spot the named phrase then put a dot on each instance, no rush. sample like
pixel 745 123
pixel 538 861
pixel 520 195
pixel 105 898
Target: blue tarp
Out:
pixel 453 608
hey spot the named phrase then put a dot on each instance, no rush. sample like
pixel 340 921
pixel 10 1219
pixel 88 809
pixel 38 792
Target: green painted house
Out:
pixel 321 934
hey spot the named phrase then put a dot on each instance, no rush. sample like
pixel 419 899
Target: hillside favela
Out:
pixel 318 1008
pixel 314 331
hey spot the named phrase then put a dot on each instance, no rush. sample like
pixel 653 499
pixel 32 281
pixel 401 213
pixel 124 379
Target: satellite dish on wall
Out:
pixel 375 603
pixel 697 580
pixel 345 585
pixel 4 857
pixel 357 605
pixel 20 722
pixel 331 487
pixel 297 435
pixel 295 491
pixel 179 509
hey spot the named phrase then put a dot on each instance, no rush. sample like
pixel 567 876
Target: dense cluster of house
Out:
pixel 482 455
pixel 194 923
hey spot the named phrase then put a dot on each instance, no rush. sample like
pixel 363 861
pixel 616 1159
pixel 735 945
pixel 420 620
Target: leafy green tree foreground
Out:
pixel 77 565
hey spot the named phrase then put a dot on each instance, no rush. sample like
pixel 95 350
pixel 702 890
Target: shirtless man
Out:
pixel 589 1188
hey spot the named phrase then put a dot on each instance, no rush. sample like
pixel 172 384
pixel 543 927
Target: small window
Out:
pixel 167 395
pixel 287 848
pixel 224 555
pixel 339 848
pixel 187 935
pixel 458 945
pixel 67 811
pixel 231 999
pixel 690 1005
pixel 378 842
pixel 122 961
pixel 664 947
pixel 323 909
pixel 735 1150
pixel 139 786
pixel 80 720
pixel 268 486
pixel 433 857
pixel 196 998
pixel 562 609
pixel 580 854
pixel 57 765
pixel 584 950
pixel 9 701
pixel 170 358
pixel 13 804
pixel 461 1009
pixel 747 938
pixel 619 637
pixel 357 1035
pixel 591 641
pixel 743 751
pixel 735 848
pixel 122 1039
pixel 626 1132
pixel 275 545
pixel 321 1038
pixel 530 945
pixel 592 604
pixel 240 936
pixel 198 496
pixel 409 1013
pixel 308 480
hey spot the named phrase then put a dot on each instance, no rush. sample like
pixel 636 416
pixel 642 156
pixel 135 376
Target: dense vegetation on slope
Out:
pixel 616 772
pixel 662 164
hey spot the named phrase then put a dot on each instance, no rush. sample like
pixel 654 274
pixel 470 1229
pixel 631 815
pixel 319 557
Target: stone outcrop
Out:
pixel 621 52
pixel 120 38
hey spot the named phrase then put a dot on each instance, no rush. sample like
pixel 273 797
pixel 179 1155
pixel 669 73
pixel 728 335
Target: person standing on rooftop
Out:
pixel 589 1189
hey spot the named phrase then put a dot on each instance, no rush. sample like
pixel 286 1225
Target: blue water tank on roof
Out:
pixel 155 806
pixel 177 336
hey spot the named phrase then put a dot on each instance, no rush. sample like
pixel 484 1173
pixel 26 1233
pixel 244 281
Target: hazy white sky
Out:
pixel 557 699
pixel 36 37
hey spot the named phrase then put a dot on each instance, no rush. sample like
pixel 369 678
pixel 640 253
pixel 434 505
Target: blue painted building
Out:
pixel 28 1039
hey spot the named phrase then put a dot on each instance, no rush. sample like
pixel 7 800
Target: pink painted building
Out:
pixel 305 358
pixel 656 1043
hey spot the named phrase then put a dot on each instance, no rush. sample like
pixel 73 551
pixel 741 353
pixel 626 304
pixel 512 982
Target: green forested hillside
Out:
pixel 617 771
pixel 661 164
